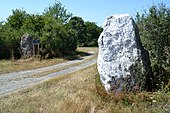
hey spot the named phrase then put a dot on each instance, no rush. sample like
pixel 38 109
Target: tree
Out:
pixel 69 40
pixel 12 41
pixel 58 12
pixel 34 25
pixel 11 33
pixel 87 32
pixel 57 40
pixel 154 28
pixel 77 23
pixel 92 33
pixel 17 19
pixel 2 45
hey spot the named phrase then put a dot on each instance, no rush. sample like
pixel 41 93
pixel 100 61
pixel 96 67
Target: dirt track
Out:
pixel 15 81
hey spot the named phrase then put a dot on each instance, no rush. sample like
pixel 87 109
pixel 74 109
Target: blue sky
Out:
pixel 89 10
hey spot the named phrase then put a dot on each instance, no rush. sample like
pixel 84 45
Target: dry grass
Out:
pixel 79 93
pixel 18 65
pixel 62 68
pixel 88 49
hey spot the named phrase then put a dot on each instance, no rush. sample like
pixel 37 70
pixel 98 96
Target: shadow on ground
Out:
pixel 77 55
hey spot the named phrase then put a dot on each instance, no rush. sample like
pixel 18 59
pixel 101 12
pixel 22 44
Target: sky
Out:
pixel 90 10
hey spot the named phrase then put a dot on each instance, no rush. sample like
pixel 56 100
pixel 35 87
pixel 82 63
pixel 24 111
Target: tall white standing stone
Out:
pixel 122 60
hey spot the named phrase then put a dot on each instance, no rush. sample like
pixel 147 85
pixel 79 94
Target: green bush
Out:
pixel 59 34
pixel 57 39
pixel 161 77
pixel 155 34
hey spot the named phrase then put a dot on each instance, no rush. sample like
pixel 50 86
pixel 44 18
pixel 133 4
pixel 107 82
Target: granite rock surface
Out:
pixel 122 60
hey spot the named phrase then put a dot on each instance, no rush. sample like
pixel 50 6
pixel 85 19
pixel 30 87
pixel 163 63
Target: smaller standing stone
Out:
pixel 26 46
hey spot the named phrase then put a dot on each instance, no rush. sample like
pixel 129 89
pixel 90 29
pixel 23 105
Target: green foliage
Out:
pixel 59 35
pixel 17 19
pixel 154 27
pixel 58 12
pixel 11 38
pixel 34 24
pixel 56 39
pixel 87 32
pixel 77 23
pixel 69 41
pixel 11 33
pixel 161 77
pixel 92 33
pixel 51 37
pixel 2 42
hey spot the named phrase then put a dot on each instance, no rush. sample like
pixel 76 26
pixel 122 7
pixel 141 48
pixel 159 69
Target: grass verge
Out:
pixel 44 73
pixel 81 92
pixel 7 66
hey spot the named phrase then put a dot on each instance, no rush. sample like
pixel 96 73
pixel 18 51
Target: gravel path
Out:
pixel 15 81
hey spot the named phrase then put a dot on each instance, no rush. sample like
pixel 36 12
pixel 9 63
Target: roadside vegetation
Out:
pixel 80 92
pixel 154 29
pixel 59 32
pixel 7 66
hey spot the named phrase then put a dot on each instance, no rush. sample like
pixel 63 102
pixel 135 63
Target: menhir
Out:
pixel 26 46
pixel 123 63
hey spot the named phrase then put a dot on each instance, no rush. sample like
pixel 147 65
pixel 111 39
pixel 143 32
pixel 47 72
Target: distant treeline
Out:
pixel 58 30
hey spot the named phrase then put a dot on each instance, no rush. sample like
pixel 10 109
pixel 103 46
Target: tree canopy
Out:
pixel 58 12
pixel 87 32
pixel 58 32
pixel 154 27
